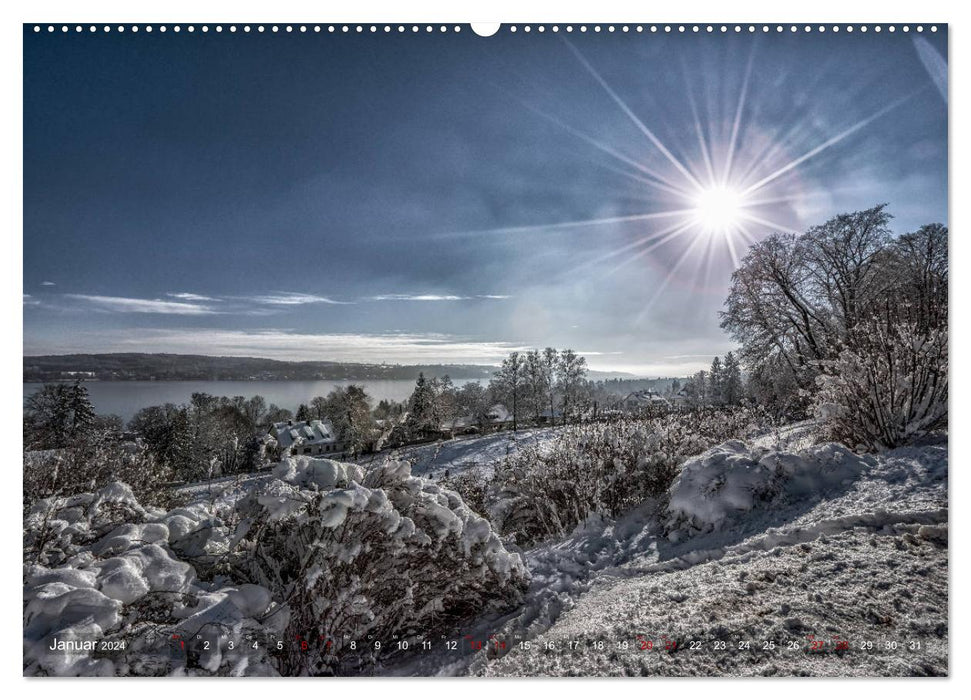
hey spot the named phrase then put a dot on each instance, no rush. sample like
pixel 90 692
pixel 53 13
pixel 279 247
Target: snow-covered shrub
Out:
pixel 888 388
pixel 472 486
pixel 91 463
pixel 56 529
pixel 323 550
pixel 381 553
pixel 734 478
pixel 606 468
pixel 100 567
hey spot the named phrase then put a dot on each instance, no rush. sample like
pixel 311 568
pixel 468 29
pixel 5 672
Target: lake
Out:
pixel 126 398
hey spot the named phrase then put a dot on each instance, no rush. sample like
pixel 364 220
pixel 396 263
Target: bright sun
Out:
pixel 718 209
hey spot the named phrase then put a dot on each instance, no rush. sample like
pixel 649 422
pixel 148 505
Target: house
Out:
pixel 316 437
pixel 499 414
pixel 459 425
pixel 644 400
pixel 545 414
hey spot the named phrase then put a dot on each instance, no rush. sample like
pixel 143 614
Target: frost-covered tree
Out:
pixel 473 400
pixel 889 384
pixel 508 383
pixel 795 298
pixel 534 394
pixel 805 308
pixel 571 374
pixel 443 400
pixel 167 435
pixel 716 382
pixel 550 365
pixel 349 411
pixel 47 418
pixel 696 388
pixel 731 385
pixel 421 405
pixel 81 409
pixel 275 414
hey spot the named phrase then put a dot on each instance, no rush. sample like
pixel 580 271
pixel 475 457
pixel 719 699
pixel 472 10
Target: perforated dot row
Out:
pixel 723 28
pixel 232 28
pixel 428 28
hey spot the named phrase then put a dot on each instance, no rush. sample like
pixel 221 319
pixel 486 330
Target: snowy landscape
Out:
pixel 653 363
pixel 773 540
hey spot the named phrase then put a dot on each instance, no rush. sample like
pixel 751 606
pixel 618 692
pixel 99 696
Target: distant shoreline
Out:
pixel 160 367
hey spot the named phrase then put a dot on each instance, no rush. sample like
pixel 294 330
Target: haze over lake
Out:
pixel 124 399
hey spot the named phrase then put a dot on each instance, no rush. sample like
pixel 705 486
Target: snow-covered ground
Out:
pixel 463 453
pixel 864 559
pixel 764 558
pixel 860 559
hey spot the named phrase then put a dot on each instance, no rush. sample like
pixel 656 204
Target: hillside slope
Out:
pixel 790 580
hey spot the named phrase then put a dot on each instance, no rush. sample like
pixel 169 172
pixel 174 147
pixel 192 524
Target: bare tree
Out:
pixel 572 372
pixel 550 365
pixel 508 381
pixel 794 299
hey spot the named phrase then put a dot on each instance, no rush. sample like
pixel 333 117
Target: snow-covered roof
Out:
pixel 644 398
pixel 315 432
pixel 499 413
pixel 458 423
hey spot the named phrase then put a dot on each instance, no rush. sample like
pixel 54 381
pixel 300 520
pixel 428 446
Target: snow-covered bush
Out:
pixel 381 553
pixel 547 490
pixel 888 388
pixel 98 459
pixel 321 551
pixel 472 485
pixel 734 478
pixel 100 567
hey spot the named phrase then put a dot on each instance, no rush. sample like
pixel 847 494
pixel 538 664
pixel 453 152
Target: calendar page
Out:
pixel 513 350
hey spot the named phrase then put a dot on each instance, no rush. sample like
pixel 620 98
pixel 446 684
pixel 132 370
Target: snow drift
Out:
pixel 734 478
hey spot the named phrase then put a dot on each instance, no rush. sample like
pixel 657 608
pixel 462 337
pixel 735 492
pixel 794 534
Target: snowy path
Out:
pixel 845 564
pixel 460 454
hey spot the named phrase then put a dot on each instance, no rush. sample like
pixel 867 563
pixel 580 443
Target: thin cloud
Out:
pixel 189 296
pixel 46 283
pixel 142 306
pixel 291 299
pixel 435 297
pixel 933 63
pixel 689 357
pixel 30 301
pixel 418 297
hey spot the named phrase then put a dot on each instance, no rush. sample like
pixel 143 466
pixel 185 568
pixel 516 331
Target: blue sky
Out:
pixel 445 197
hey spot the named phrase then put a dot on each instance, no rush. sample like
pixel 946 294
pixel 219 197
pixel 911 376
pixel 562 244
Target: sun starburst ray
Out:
pixel 826 144
pixel 736 124
pixel 657 242
pixel 567 224
pixel 630 114
pixel 696 122
pixel 684 257
pixel 662 182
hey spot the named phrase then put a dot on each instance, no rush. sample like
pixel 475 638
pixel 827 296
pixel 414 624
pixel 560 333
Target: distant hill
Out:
pixel 131 366
pixel 169 367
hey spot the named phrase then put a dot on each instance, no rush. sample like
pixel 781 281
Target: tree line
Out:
pixel 722 385
pixel 536 386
